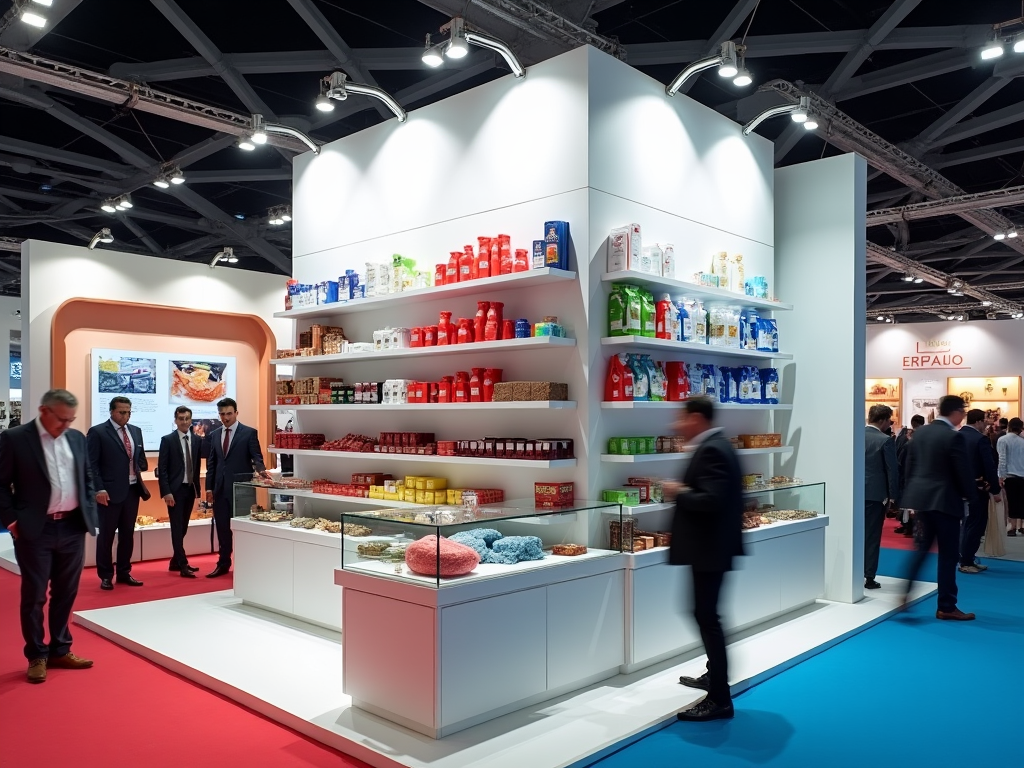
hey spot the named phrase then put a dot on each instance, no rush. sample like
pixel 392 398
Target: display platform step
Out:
pixel 518 405
pixel 680 287
pixel 676 404
pixel 616 458
pixel 527 279
pixel 631 343
pixel 412 457
pixel 505 345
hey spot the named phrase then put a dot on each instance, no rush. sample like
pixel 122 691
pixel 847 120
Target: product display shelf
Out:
pixel 631 343
pixel 677 404
pixel 671 505
pixel 669 285
pixel 527 279
pixel 505 345
pixel 615 458
pixel 413 457
pixel 533 405
pixel 361 500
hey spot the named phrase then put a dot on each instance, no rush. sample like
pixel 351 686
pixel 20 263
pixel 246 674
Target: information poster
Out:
pixel 157 383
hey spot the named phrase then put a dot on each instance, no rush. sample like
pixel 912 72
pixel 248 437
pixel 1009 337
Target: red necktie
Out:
pixel 128 448
pixel 227 437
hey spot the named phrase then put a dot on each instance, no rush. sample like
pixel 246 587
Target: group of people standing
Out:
pixel 941 477
pixel 56 485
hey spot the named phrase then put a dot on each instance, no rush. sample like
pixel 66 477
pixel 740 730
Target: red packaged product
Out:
pixel 480 320
pixel 451 273
pixel 678 380
pixel 483 257
pixel 467 261
pixel 508 329
pixel 663 319
pixel 614 384
pixel 464 335
pixel 496 255
pixel 461 387
pixel 553 494
pixel 476 385
pixel 440 273
pixel 491 377
pixel 416 337
pixel 446 389
pixel 505 247
pixel 429 335
pixel 521 262
pixel 445 330
pixel 492 328
pixel 432 392
pixel 506 262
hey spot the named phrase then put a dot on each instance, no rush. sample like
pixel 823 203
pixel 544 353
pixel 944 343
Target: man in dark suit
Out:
pixel 906 526
pixel 707 532
pixel 986 482
pixel 177 471
pixel 232 453
pixel 118 459
pixel 47 502
pixel 938 482
pixel 881 485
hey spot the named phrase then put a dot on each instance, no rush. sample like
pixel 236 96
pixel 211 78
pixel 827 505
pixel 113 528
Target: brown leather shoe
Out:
pixel 70 661
pixel 37 671
pixel 955 615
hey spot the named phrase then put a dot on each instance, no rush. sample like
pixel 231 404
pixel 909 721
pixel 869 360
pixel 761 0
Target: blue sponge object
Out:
pixel 515 549
pixel 478 543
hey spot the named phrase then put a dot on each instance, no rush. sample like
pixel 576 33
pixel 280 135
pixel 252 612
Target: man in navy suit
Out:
pixel 47 502
pixel 118 459
pixel 986 480
pixel 177 471
pixel 232 455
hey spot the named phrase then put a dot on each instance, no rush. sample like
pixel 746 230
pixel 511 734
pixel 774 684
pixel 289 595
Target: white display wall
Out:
pixel 975 349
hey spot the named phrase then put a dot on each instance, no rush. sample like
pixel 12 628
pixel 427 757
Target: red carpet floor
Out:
pixel 128 711
pixel 891 540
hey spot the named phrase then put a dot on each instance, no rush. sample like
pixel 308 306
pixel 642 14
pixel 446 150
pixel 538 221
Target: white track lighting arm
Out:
pixel 727 55
pixel 803 105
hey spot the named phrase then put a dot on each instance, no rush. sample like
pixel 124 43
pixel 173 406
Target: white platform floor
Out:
pixel 292 673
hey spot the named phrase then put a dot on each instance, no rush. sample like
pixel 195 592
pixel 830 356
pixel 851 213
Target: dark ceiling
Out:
pixel 220 53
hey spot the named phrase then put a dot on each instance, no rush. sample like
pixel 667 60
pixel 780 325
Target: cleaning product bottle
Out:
pixel 685 323
pixel 663 327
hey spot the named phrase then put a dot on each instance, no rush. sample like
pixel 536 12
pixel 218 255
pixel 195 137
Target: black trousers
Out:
pixel 54 559
pixel 178 516
pixel 973 529
pixel 932 526
pixel 119 518
pixel 874 517
pixel 707 586
pixel 222 514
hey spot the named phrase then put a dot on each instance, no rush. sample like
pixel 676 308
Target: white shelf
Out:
pixel 667 345
pixel 669 285
pixel 615 458
pixel 360 500
pixel 373 456
pixel 533 342
pixel 471 288
pixel 676 404
pixel 542 405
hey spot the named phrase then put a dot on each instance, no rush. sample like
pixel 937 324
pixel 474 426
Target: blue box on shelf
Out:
pixel 556 244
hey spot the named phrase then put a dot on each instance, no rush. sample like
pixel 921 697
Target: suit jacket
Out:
pixel 25 483
pixel 938 471
pixel 707 530
pixel 244 456
pixel 979 456
pixel 902 443
pixel 170 465
pixel 109 461
pixel 881 472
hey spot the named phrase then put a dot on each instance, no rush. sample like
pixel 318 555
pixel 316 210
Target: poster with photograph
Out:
pixel 157 383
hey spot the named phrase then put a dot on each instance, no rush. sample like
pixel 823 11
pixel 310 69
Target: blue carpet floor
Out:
pixel 911 691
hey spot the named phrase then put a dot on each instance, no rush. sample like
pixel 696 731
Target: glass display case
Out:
pixel 437 546
pixel 775 504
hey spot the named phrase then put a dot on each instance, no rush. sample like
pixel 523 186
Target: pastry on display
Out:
pixel 424 555
pixel 788 514
pixel 352 529
pixel 303 522
pixel 373 549
pixel 143 520
pixel 568 550
pixel 257 512
pixel 329 526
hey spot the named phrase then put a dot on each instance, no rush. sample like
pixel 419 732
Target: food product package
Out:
pixel 668 260
pixel 659 382
pixel 614 385
pixel 664 325
pixel 641 378
pixel 537 258
pixel 650 260
pixel 618 248
pixel 634 310
pixel 648 314
pixel 770 386
pixel 698 316
pixel 677 381
pixel 617 311
pixel 745 389
pixel 556 244
pixel 755 384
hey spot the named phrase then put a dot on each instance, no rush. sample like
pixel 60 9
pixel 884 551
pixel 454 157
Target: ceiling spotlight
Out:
pixel 955 287
pixel 811 123
pixel 433 55
pixel 126 202
pixel 890 319
pixel 799 116
pixel 286 215
pixel 339 87
pixel 726 63
pixel 918 280
pixel 991 316
pixel 47 3
pixel 999 236
pixel 1017 315
pixel 225 255
pixel 323 103
pixel 177 177
pixel 109 206
pixel 122 203
pixel 103 236
pixel 259 133
pixel 33 19
pixel 986 303
pixel 1011 233
pixel 1018 44
pixel 162 182
pixel 993 48
pixel 279 214
pixel 880 318
pixel 799 112
pixel 908 278
pixel 245 142
pixel 457 46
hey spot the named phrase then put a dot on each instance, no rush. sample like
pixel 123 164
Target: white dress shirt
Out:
pixel 132 479
pixel 185 440
pixel 60 466
pixel 1010 448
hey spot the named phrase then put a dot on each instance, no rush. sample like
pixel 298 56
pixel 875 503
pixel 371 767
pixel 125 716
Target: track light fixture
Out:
pixel 168 177
pixel 1018 44
pixel 993 48
pixel 799 112
pixel 279 214
pixel 729 62
pixel 258 135
pixel 162 182
pixel 908 278
pixel 115 204
pixel 103 236
pixel 323 103
pixel 955 287
pixel 457 46
pixel 245 142
pixel 108 206
pixel 338 88
pixel 460 37
pixel 224 256
pixel 991 316
pixel 433 55
pixel 177 177
pixel 259 130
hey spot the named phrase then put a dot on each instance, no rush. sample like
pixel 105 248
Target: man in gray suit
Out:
pixel 939 480
pixel 881 485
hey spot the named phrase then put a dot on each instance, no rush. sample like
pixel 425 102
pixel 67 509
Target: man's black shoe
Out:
pixel 106 584
pixel 871 584
pixel 707 710
pixel 131 581
pixel 220 570
pixel 695 682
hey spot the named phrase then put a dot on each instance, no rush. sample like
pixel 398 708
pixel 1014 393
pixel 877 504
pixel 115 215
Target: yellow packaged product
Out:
pixel 421 483
pixel 410 481
pixel 392 497
pixel 421 497
pixel 410 495
pixel 436 483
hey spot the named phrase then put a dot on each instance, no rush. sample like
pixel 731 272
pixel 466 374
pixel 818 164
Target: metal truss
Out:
pixel 995 198
pixel 541 21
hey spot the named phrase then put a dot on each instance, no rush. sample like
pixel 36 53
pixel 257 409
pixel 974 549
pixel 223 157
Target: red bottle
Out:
pixel 508 329
pixel 444 330
pixel 480 320
pixel 476 385
pixel 460 390
pixel 492 329
pixel 521 262
pixel 663 318
pixel 440 272
pixel 451 274
pixel 466 262
pixel 465 332
pixel 491 377
pixel 483 257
